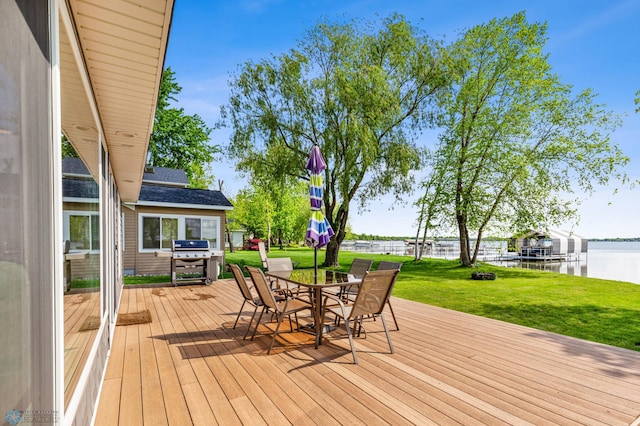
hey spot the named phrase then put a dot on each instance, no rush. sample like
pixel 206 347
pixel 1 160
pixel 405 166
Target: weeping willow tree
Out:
pixel 359 91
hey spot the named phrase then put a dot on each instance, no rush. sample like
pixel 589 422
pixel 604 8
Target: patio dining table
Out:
pixel 316 282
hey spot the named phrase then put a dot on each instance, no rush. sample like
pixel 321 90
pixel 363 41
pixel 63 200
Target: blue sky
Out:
pixel 592 44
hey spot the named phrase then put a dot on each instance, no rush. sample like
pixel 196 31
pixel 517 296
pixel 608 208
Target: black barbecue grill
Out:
pixel 191 261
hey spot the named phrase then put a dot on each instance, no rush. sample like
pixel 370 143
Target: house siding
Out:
pixel 130 241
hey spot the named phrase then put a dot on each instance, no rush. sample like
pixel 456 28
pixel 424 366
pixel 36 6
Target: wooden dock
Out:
pixel 189 366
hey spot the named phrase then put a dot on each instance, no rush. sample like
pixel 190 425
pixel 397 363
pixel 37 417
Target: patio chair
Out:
pixel 372 296
pixel 359 267
pixel 279 308
pixel 246 294
pixel 276 264
pixel 263 253
pixel 385 265
pixel 279 264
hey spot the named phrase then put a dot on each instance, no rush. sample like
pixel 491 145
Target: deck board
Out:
pixel 174 402
pixel 189 366
pixel 152 390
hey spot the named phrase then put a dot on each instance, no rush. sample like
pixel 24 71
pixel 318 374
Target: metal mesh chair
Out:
pixel 279 308
pixel 263 253
pixel 279 264
pixel 372 296
pixel 359 268
pixel 276 264
pixel 385 266
pixel 246 294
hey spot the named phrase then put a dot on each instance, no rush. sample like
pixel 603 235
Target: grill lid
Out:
pixel 190 245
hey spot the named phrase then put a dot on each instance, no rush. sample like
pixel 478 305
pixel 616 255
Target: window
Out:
pixel 202 229
pixel 169 231
pixel 154 227
pixel 82 229
pixel 192 228
pixel 158 231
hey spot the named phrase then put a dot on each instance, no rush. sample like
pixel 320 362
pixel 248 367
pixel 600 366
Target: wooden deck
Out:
pixel 188 366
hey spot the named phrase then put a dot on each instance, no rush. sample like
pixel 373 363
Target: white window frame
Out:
pixel 67 228
pixel 181 228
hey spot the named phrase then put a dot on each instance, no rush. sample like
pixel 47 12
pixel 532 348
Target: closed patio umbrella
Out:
pixel 319 231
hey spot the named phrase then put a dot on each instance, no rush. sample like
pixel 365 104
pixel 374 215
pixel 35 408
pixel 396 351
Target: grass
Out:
pixel 603 311
pixel 146 279
pixel 84 283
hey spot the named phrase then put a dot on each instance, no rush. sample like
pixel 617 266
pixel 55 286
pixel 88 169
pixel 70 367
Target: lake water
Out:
pixel 612 260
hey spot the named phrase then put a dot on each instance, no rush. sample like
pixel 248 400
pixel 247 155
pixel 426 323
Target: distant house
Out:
pixel 166 210
pixel 237 239
pixel 551 243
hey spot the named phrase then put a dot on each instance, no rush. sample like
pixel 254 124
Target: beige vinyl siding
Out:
pixel 85 268
pixel 130 239
pixel 149 264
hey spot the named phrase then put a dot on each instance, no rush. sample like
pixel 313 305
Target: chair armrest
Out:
pixel 333 297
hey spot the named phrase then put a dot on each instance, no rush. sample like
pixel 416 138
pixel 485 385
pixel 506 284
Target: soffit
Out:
pixel 78 122
pixel 123 45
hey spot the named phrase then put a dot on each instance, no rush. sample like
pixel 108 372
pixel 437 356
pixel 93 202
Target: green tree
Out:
pixel 291 212
pixel 515 139
pixel 359 91
pixel 68 151
pixel 252 209
pixel 432 213
pixel 180 141
pixel 273 212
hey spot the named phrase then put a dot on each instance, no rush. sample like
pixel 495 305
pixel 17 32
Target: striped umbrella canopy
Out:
pixel 319 231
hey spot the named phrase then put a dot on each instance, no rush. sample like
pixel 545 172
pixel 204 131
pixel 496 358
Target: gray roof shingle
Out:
pixel 164 174
pixel 75 166
pixel 87 188
pixel 168 194
pixel 79 188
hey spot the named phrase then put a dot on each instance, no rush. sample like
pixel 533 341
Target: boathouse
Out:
pixel 548 245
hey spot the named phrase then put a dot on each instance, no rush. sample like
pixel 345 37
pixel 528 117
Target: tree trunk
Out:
pixel 424 243
pixel 476 249
pixel 417 255
pixel 465 256
pixel 231 248
pixel 226 222
pixel 333 248
pixel 268 242
pixel 331 254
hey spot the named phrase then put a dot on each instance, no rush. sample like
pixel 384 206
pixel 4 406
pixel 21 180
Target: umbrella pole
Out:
pixel 315 265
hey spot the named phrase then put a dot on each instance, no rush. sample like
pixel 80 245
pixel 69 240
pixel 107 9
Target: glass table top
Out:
pixel 325 277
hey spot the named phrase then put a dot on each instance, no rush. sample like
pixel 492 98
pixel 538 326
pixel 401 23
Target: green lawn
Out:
pixel 593 309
